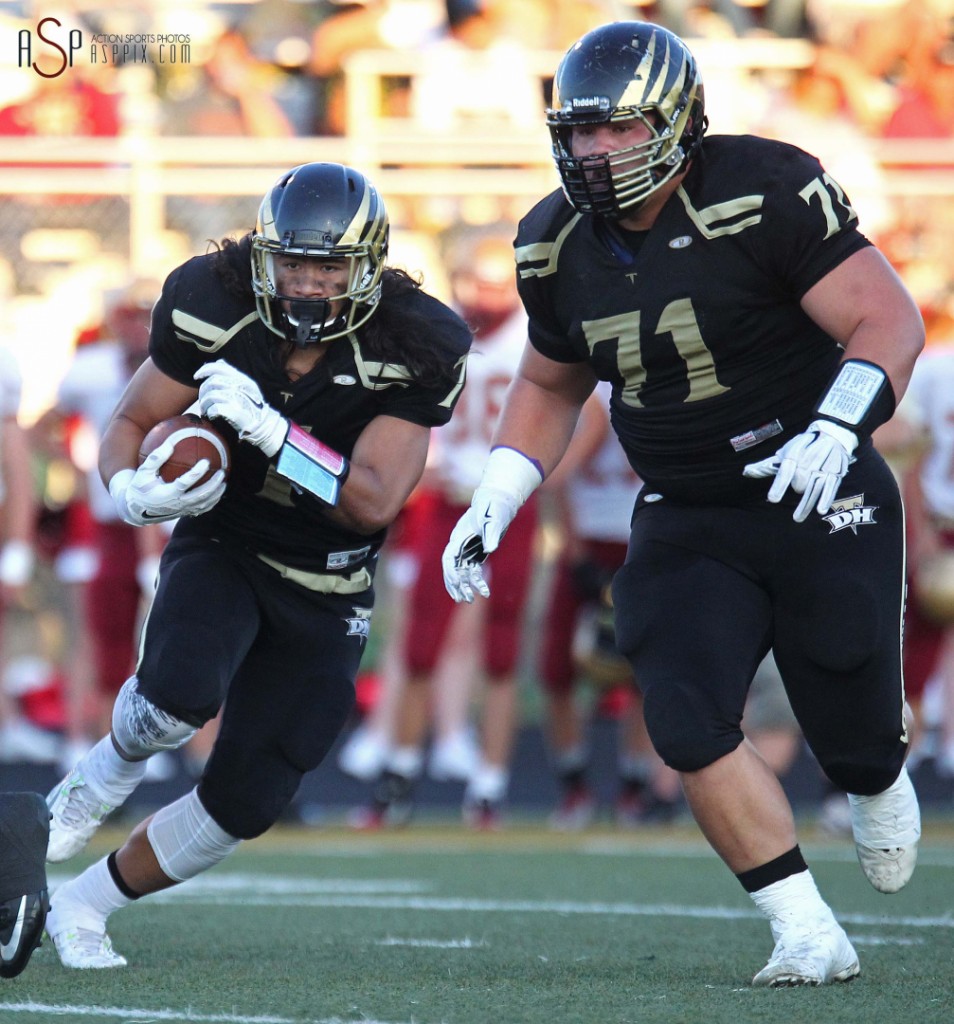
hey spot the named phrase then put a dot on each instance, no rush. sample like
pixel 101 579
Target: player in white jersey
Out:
pixel 482 280
pixel 928 406
pixel 125 559
pixel 16 555
pixel 594 491
pixel 18 738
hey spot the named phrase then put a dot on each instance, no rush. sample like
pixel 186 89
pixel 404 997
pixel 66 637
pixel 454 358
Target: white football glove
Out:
pixel 509 478
pixel 227 393
pixel 478 532
pixel 143 497
pixel 812 463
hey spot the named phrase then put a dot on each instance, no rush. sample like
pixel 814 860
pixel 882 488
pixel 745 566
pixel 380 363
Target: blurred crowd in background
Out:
pixel 866 85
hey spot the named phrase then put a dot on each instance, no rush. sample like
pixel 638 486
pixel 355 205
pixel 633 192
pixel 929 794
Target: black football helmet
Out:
pixel 624 70
pixel 320 209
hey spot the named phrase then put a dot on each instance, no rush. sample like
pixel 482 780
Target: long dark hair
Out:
pixel 395 334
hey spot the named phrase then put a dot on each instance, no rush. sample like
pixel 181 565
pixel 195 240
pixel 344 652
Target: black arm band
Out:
pixel 859 397
pixel 312 466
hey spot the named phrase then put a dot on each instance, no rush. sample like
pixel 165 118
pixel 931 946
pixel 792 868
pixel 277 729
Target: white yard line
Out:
pixel 246 889
pixel 259 891
pixel 432 943
pixel 138 1016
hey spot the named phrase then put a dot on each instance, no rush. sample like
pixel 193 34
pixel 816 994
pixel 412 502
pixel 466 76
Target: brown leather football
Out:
pixel 195 438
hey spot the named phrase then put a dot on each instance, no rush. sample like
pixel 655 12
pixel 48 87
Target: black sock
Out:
pixel 118 879
pixel 790 863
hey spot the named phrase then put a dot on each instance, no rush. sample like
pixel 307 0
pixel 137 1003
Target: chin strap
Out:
pixel 301 318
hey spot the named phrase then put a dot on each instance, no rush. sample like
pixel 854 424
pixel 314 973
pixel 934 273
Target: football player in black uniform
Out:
pixel 754 339
pixel 326 372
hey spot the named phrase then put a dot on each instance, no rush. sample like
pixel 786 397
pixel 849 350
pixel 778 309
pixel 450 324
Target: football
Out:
pixel 194 439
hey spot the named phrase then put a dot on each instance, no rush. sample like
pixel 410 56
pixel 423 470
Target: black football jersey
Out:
pixel 196 320
pixel 697 322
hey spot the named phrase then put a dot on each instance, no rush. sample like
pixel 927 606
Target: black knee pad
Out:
pixel 685 739
pixel 247 791
pixel 865 776
pixel 24 901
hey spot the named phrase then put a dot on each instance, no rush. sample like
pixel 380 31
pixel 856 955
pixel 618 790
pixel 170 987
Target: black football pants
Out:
pixel 707 590
pixel 225 627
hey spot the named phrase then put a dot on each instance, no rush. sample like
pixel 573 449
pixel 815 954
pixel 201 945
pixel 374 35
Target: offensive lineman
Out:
pixel 326 371
pixel 750 332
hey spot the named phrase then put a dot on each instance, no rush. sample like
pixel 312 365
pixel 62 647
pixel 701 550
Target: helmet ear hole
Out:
pixel 320 211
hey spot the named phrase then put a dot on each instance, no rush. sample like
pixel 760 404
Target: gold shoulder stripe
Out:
pixel 376 376
pixel 461 367
pixel 724 218
pixel 206 336
pixel 539 252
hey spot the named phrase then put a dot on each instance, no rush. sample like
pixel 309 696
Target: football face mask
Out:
pixel 626 71
pixel 323 211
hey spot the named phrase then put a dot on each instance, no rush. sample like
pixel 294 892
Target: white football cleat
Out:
pixel 816 953
pixel 79 934
pixel 86 950
pixel 76 812
pixel 887 828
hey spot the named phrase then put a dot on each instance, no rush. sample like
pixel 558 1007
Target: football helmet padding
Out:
pixel 621 71
pixel 320 210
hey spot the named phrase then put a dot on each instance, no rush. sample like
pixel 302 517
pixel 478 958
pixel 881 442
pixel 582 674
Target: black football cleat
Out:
pixel 21 928
pixel 24 900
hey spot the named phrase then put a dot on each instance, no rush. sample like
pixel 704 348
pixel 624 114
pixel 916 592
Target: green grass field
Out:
pixel 435 925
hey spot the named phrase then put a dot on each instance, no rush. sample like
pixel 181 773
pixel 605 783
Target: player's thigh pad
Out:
pixel 286 706
pixel 838 614
pixel 694 631
pixel 204 618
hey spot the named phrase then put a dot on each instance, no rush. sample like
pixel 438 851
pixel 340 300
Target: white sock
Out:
pixel 792 900
pixel 91 898
pixel 406 762
pixel 489 782
pixel 111 776
pixel 456 737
